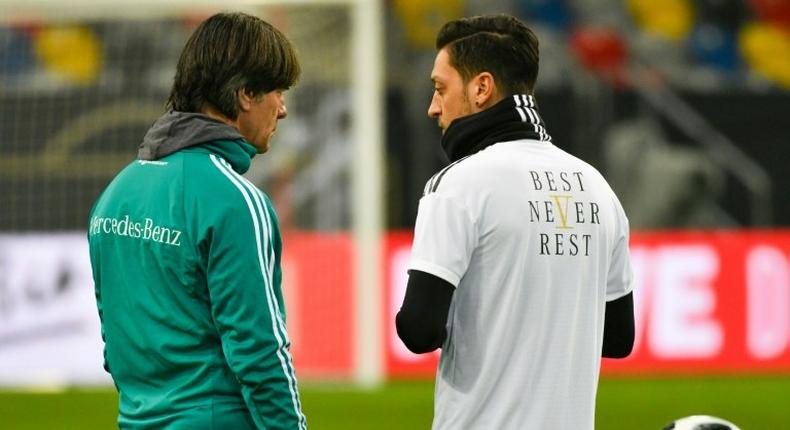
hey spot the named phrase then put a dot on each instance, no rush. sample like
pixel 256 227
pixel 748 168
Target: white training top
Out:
pixel 535 242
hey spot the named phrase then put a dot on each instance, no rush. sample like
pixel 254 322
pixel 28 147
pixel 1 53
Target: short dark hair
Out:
pixel 499 44
pixel 229 52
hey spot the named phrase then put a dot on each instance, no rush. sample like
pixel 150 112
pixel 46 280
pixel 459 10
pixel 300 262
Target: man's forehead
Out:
pixel 441 67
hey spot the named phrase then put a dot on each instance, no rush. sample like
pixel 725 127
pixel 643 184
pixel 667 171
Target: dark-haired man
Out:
pixel 519 268
pixel 186 252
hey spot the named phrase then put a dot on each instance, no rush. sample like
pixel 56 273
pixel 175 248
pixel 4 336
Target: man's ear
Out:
pixel 245 100
pixel 485 90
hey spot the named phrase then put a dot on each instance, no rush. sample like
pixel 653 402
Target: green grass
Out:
pixel 755 403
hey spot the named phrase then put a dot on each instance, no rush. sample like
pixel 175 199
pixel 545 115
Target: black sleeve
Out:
pixel 618 330
pixel 421 322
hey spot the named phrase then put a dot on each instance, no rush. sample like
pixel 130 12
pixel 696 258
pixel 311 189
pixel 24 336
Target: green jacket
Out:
pixel 186 262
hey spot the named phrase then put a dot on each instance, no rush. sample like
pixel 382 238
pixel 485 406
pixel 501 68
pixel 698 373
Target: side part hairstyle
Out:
pixel 499 44
pixel 229 52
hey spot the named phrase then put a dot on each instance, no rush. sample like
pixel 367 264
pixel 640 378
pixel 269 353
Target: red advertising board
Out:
pixel 318 289
pixel 706 301
pixel 714 301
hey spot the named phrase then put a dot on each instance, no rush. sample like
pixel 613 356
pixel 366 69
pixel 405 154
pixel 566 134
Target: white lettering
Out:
pixel 127 227
pixel 123 226
pixel 166 235
pixel 147 228
pixel 176 238
pixel 640 264
pixel 682 325
pixel 137 232
pixel 768 302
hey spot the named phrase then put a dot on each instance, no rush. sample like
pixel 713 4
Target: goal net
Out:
pixel 81 82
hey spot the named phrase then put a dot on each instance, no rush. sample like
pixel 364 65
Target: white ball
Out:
pixel 701 422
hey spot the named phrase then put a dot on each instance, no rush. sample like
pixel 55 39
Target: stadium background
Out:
pixel 682 104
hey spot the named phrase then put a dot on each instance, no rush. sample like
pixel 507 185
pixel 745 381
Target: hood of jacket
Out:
pixel 174 131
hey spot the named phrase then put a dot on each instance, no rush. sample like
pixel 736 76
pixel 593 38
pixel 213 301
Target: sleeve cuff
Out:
pixel 614 296
pixel 435 270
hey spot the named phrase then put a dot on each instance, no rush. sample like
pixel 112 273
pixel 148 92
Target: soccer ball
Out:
pixel 701 422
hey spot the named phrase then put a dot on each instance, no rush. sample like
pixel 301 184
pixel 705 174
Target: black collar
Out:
pixel 513 118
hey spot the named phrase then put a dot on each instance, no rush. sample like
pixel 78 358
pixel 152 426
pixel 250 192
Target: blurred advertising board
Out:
pixel 49 325
pixel 707 301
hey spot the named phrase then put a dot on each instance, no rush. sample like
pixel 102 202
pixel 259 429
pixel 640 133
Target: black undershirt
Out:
pixel 422 320
pixel 618 327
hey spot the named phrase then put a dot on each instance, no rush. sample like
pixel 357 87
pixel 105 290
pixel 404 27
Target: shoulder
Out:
pixel 590 173
pixel 483 170
pixel 219 200
pixel 595 176
pixel 211 181
pixel 464 173
pixel 595 181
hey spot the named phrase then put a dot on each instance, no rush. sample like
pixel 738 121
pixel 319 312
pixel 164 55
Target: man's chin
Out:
pixel 267 145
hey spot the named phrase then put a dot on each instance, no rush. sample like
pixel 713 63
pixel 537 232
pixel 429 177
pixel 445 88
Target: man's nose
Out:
pixel 433 109
pixel 282 112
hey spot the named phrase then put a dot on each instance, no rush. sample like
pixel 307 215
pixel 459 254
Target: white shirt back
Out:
pixel 535 242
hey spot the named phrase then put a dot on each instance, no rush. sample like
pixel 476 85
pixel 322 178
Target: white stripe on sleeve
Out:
pixel 282 352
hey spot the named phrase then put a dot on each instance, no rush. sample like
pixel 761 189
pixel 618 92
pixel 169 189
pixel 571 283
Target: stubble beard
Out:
pixel 466 111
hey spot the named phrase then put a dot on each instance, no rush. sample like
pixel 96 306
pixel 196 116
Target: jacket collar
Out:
pixel 513 118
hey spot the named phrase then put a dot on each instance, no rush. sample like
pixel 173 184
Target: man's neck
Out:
pixel 514 117
pixel 494 99
pixel 212 112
